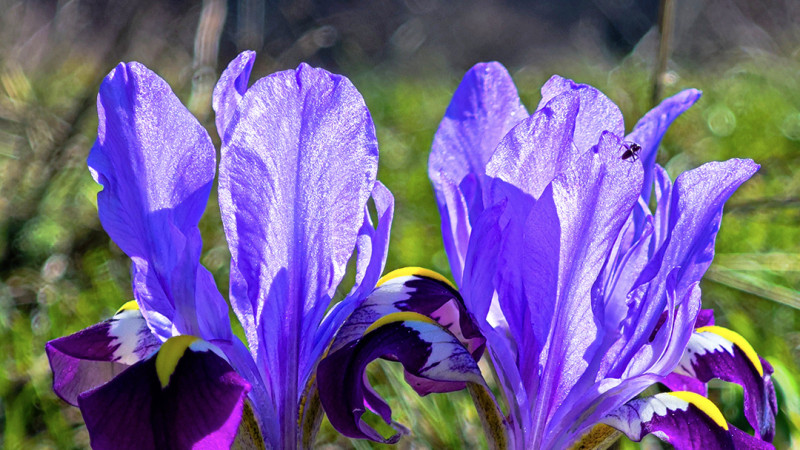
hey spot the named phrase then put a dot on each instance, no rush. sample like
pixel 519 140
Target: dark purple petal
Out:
pixel 184 396
pixel 483 109
pixel 676 382
pixel 652 127
pixel 684 419
pixel 716 352
pixel 92 357
pixel 230 89
pixel 299 160
pixel 597 113
pixel 426 351
pixel 156 164
pixel 421 291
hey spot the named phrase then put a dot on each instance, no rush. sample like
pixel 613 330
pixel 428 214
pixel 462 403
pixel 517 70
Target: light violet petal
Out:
pixel 593 201
pixel 156 164
pixel 372 247
pixel 298 166
pixel 598 114
pixel 230 89
pixel 483 109
pixel 538 148
pixel 651 128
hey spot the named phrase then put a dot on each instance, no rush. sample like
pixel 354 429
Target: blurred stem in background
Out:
pixel 206 53
pixel 666 16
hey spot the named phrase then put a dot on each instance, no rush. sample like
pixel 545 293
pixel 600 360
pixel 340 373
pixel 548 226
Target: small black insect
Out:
pixel 632 151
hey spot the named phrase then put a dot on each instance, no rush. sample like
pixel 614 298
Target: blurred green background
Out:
pixel 59 273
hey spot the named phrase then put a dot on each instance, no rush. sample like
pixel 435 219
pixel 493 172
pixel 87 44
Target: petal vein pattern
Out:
pixel 298 165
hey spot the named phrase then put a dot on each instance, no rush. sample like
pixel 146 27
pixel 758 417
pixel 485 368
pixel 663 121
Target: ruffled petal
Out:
pixel 717 352
pixel 420 291
pixel 483 109
pixel 425 349
pixel 694 217
pixel 299 160
pixel 92 357
pixel 156 164
pixel 184 396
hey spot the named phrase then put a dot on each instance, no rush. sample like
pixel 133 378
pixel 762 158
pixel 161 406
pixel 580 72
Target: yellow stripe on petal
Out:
pixel 128 306
pixel 400 317
pixel 415 271
pixel 703 404
pixel 169 354
pixel 739 341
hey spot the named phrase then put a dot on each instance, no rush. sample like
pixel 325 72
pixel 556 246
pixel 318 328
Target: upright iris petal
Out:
pixel 584 296
pixel 156 164
pixel 299 160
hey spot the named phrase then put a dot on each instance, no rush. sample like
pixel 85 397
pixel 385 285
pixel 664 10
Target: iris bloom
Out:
pixel 298 166
pixel 584 296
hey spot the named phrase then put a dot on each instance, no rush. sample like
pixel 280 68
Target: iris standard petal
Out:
pixel 483 109
pixel 230 89
pixel 156 164
pixel 424 348
pixel 652 127
pixel 92 357
pixel 298 164
pixel 536 149
pixel 184 396
pixel 597 115
pixel 717 352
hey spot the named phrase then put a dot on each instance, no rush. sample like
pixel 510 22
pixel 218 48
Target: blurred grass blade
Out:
pixel 753 285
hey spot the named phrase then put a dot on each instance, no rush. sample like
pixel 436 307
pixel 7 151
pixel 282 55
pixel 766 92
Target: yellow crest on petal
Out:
pixel 415 271
pixel 169 354
pixel 737 340
pixel 703 404
pixel 400 317
pixel 128 306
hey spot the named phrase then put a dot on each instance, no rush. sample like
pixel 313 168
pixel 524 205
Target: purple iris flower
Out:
pixel 298 167
pixel 584 296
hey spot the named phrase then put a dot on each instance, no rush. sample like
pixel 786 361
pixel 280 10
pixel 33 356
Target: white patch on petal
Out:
pixel 701 344
pixel 125 328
